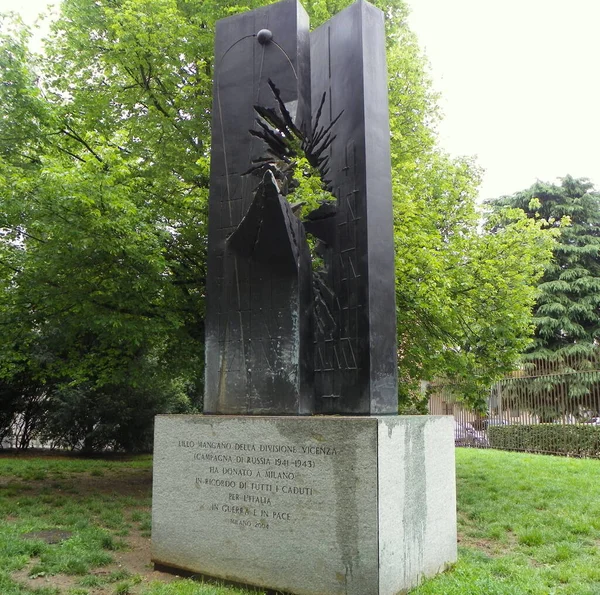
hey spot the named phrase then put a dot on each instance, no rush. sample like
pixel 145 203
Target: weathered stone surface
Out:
pixel 311 506
pixel 417 499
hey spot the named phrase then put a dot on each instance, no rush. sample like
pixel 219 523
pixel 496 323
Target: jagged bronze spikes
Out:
pixel 278 131
pixel 286 115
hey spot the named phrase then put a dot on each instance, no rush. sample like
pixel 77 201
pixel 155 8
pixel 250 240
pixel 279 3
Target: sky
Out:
pixel 520 86
pixel 519 83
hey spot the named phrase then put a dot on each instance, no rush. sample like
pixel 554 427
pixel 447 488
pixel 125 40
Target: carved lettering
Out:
pixel 283 448
pixel 271 484
pixel 318 450
pixel 250 447
pixel 297 491
pixel 209 456
pixel 242 510
pixel 241 522
pixel 258 461
pixel 279 475
pixel 215 445
pixel 261 487
pixel 234 471
pixel 217 483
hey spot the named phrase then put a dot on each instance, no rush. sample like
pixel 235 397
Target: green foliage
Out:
pixel 567 308
pixel 310 189
pixel 464 292
pixel 65 494
pixel 104 168
pixel 563 439
pixel 102 251
pixel 567 312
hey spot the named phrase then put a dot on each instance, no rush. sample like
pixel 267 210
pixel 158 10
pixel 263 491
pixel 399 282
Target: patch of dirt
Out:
pixel 136 483
pixel 491 547
pixel 60 581
pixel 135 560
pixel 133 482
pixel 49 535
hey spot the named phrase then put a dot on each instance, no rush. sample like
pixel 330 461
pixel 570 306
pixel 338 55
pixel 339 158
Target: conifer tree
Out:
pixel 562 361
pixel 567 311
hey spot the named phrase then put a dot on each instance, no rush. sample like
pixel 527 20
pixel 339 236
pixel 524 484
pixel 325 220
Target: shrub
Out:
pixel 569 440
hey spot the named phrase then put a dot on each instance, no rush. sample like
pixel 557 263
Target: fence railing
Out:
pixel 545 407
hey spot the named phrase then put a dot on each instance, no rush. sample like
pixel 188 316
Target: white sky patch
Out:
pixel 29 11
pixel 519 83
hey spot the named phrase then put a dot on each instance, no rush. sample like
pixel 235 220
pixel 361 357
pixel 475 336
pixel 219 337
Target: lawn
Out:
pixel 527 524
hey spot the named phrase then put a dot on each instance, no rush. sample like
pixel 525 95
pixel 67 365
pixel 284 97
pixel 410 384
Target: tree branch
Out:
pixel 71 133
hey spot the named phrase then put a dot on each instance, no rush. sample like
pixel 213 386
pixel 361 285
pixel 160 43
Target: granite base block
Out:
pixel 306 505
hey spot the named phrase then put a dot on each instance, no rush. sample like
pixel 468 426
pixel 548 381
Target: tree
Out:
pixel 563 357
pixel 104 163
pixel 95 295
pixel 567 310
pixel 465 291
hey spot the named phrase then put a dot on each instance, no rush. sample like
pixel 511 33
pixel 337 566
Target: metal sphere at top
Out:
pixel 264 36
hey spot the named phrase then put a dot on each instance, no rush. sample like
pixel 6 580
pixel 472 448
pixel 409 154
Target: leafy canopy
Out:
pixel 104 166
pixel 567 309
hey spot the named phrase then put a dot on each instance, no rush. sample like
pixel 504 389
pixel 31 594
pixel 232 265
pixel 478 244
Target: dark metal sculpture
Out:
pixel 284 336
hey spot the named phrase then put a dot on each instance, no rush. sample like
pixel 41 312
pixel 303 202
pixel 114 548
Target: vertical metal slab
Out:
pixel 355 361
pixel 248 355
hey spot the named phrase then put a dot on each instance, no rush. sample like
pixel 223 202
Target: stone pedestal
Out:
pixel 306 505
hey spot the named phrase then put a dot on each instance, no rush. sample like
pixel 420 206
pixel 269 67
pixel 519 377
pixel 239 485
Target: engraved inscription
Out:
pixel 252 485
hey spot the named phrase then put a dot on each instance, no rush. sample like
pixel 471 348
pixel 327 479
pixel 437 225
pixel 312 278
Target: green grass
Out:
pixel 528 524
pixel 189 587
pixel 54 492
pixel 41 493
pixel 42 467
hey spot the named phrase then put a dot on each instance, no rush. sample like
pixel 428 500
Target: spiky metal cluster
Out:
pixel 286 144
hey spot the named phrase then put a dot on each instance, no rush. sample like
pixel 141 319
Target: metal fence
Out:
pixel 550 407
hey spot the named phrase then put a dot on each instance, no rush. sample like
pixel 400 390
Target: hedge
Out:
pixel 569 440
